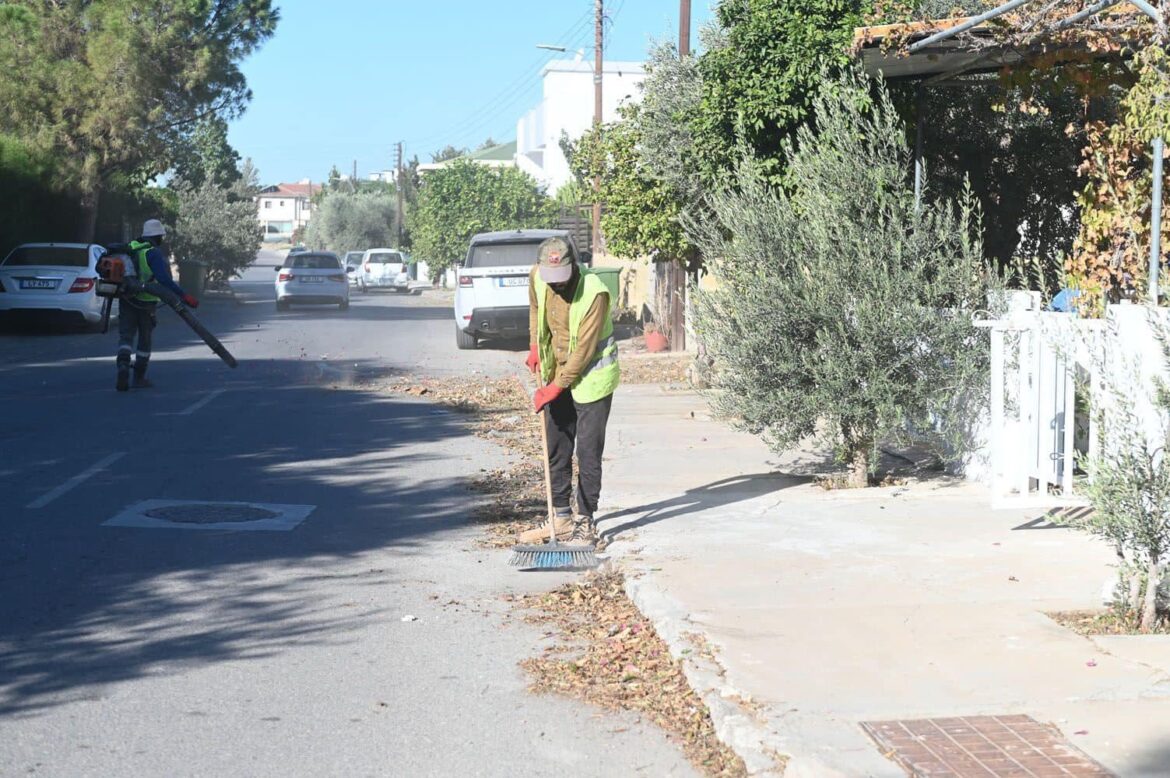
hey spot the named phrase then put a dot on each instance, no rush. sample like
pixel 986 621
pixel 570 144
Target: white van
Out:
pixel 491 299
pixel 384 269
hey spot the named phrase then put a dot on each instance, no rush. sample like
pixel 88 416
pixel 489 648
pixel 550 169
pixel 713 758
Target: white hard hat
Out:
pixel 153 228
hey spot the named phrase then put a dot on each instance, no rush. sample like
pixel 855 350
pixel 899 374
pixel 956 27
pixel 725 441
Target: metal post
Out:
pixel 598 70
pixel 1156 222
pixel 951 32
pixel 918 164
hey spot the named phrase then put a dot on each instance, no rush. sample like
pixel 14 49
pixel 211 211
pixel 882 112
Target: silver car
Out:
pixel 353 267
pixel 311 277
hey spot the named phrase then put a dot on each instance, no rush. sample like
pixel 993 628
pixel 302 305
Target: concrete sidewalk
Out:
pixel 802 612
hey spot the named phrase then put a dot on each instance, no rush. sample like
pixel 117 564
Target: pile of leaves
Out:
pixel 500 411
pixel 608 654
pixel 1107 622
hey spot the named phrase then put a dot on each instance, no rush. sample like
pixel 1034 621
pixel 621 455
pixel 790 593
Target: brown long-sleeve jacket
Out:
pixel 569 367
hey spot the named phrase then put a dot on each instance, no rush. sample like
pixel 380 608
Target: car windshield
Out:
pixel 387 258
pixel 353 257
pixel 315 262
pixel 61 256
pixel 503 254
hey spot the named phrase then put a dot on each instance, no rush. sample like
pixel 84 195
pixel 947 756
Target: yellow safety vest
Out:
pixel 603 374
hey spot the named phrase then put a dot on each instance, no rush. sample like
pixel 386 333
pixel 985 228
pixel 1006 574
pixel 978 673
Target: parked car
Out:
pixel 384 269
pixel 491 299
pixel 54 278
pixel 311 277
pixel 353 266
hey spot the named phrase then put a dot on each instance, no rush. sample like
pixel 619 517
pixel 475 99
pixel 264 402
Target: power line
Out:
pixel 517 87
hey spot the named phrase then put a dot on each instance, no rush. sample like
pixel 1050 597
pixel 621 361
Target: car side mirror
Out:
pixel 277 268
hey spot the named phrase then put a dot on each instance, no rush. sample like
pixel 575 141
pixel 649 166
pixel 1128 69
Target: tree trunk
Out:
pixel 91 192
pixel 1134 600
pixel 859 466
pixel 1150 603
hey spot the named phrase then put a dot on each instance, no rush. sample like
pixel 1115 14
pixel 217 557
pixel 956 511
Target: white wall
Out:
pixel 567 108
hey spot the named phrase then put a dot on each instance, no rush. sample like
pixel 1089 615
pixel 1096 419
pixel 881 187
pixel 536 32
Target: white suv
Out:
pixel 384 269
pixel 491 300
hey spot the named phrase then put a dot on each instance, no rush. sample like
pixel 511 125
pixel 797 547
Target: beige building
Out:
pixel 285 208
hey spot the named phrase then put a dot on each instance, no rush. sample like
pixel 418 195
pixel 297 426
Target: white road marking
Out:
pixel 75 481
pixel 202 402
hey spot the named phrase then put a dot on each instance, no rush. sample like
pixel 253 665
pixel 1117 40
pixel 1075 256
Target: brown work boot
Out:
pixel 564 529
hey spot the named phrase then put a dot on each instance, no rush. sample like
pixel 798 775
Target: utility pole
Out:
pixel 398 191
pixel 678 274
pixel 598 52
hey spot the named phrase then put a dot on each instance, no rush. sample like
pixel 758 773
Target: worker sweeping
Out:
pixel 575 354
pixel 137 312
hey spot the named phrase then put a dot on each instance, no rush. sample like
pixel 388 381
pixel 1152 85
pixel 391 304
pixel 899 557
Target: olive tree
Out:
pixel 843 309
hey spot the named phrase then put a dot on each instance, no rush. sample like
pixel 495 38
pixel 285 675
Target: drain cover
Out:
pixel 220 515
pixel 210 513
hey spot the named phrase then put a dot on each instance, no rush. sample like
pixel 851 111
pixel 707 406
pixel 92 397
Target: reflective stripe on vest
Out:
pixel 602 376
pixel 145 274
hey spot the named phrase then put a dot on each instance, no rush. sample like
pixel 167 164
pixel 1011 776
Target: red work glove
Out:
pixel 533 361
pixel 545 395
pixel 190 301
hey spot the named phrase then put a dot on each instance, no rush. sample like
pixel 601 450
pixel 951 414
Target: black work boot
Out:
pixel 140 379
pixel 123 379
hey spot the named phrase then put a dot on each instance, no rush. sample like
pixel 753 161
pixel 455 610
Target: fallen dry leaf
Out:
pixel 617 661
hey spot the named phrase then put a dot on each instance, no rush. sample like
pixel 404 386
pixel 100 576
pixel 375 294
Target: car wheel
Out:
pixel 343 305
pixel 464 341
pixel 282 305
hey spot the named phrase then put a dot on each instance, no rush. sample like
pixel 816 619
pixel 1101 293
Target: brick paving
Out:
pixel 981 747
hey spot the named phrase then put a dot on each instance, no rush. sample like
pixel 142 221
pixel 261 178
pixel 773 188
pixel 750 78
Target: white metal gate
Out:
pixel 1041 364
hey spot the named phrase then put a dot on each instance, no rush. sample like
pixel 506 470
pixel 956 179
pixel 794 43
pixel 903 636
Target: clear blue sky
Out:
pixel 347 79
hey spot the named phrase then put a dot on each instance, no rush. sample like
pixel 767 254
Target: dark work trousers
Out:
pixel 135 318
pixel 581 425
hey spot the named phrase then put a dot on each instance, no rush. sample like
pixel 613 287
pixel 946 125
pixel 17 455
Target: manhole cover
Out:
pixel 210 513
pixel 982 746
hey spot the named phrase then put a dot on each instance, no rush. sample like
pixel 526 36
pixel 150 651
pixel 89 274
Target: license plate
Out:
pixel 311 279
pixel 39 283
pixel 514 281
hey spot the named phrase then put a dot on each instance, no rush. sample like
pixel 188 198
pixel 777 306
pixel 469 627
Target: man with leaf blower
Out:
pixel 137 311
pixel 574 353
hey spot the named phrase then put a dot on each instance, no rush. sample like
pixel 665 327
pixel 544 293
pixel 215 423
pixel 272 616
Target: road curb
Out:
pixel 734 726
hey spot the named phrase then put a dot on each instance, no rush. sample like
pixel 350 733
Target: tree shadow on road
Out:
pixel 87 605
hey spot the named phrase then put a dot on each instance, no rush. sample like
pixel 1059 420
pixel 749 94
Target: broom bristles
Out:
pixel 553 557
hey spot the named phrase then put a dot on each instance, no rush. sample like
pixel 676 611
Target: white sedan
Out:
pixel 56 278
pixel 311 277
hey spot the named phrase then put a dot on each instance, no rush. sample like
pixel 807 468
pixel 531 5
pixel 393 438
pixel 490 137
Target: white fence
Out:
pixel 1049 372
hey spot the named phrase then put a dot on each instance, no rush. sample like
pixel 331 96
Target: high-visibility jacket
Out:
pixel 603 374
pixel 138 251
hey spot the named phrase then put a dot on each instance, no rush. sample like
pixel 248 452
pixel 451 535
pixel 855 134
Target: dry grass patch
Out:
pixel 1106 622
pixel 608 654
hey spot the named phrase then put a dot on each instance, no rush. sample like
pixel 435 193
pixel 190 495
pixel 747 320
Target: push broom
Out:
pixel 553 555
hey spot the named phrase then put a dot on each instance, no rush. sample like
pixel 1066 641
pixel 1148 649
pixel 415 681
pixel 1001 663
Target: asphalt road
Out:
pixel 178 649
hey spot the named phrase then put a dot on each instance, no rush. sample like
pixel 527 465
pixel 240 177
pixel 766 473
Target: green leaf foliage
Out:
pixel 640 215
pixel 218 225
pixel 345 221
pixel 760 77
pixel 111 86
pixel 841 309
pixel 464 198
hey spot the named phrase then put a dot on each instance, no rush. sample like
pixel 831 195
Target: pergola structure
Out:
pixel 936 56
